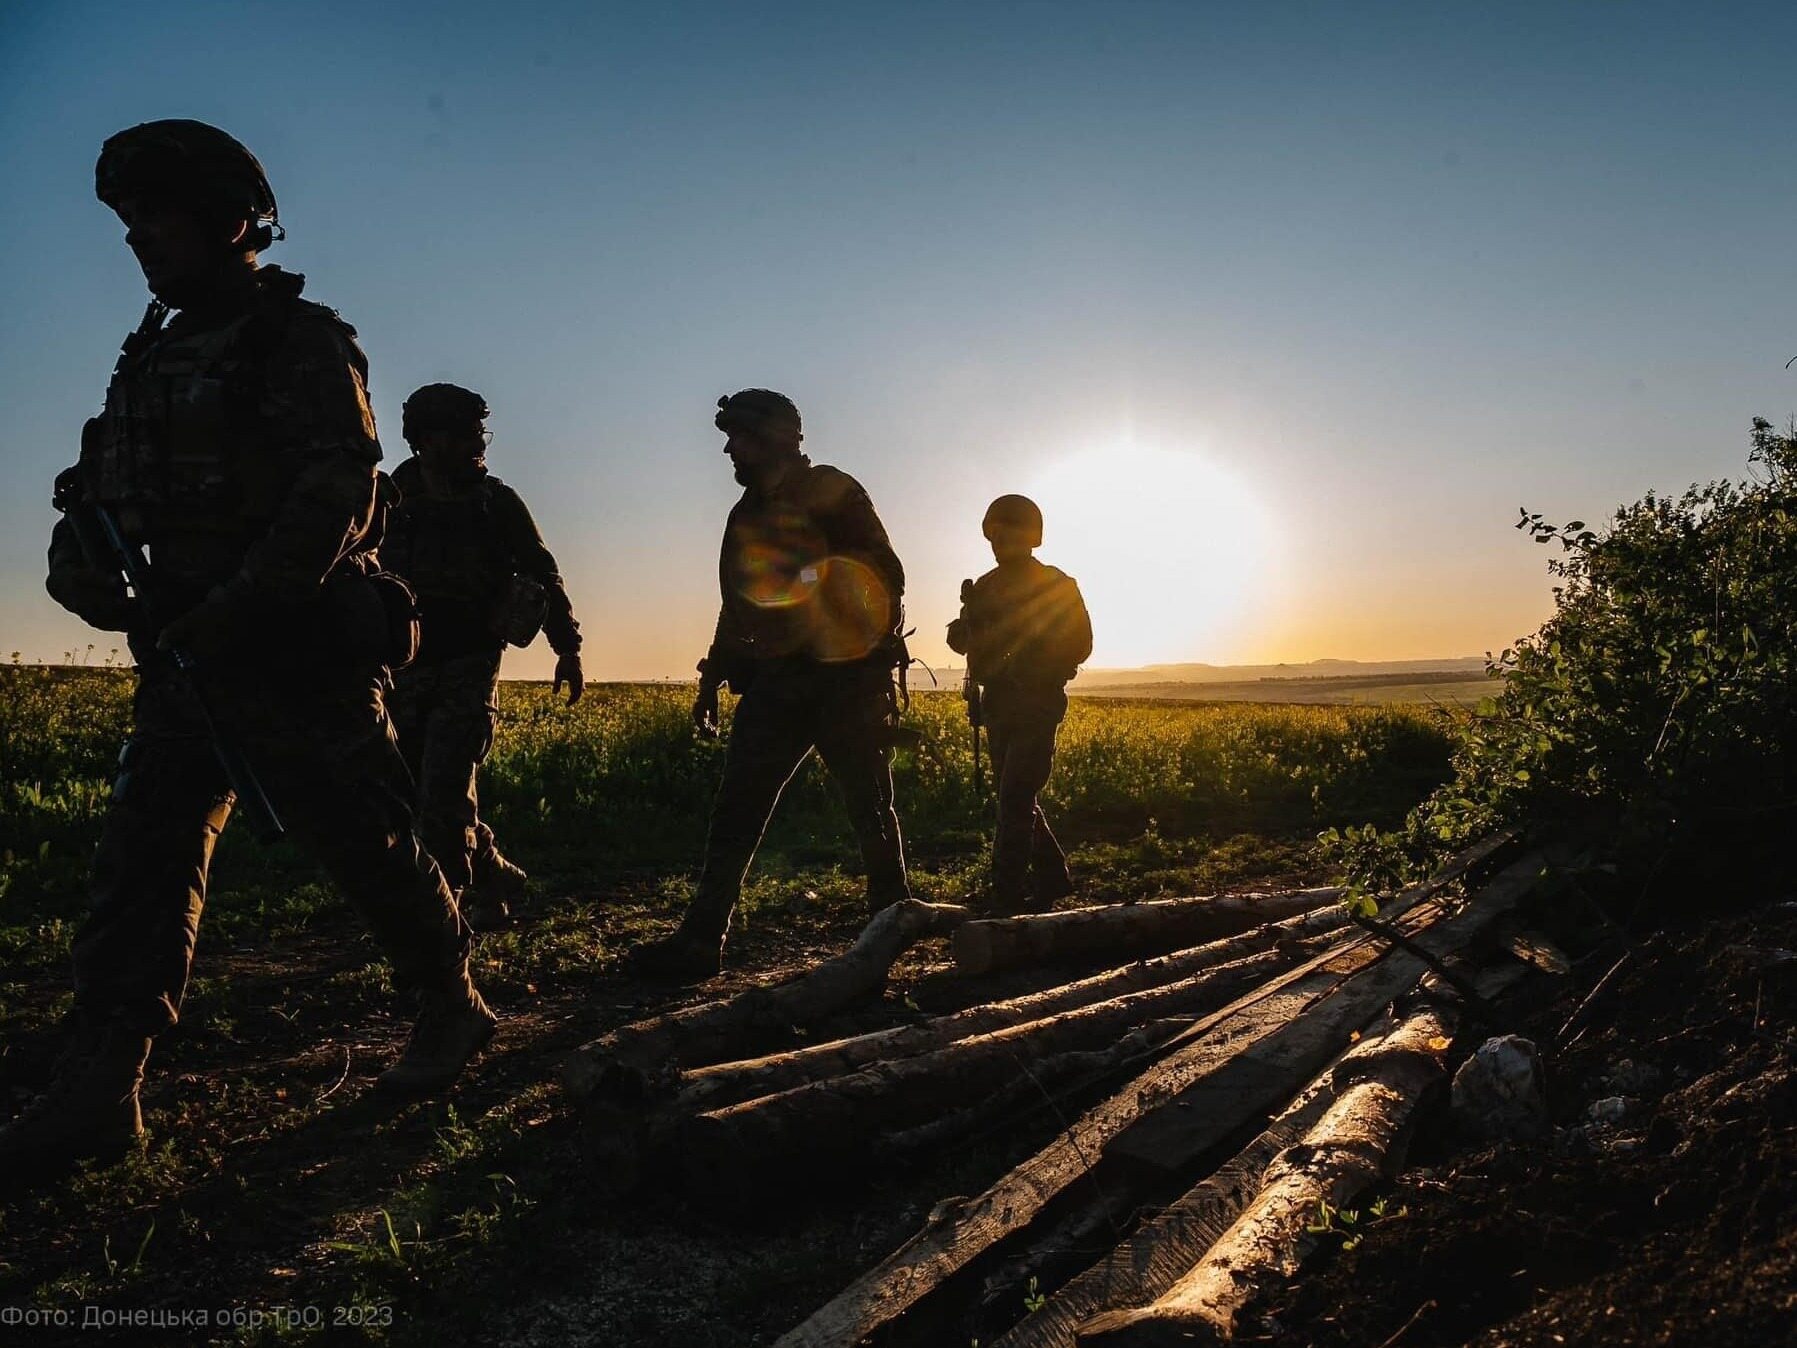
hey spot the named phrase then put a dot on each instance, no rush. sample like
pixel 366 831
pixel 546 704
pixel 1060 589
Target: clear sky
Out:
pixel 1281 309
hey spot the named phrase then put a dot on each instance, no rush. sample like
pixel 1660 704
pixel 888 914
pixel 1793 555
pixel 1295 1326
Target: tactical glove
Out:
pixel 568 671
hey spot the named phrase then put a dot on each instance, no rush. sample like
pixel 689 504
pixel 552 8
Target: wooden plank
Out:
pixel 643 1059
pixel 1348 1148
pixel 712 1087
pixel 958 1234
pixel 1122 930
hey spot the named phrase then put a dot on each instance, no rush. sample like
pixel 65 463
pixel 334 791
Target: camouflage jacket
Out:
pixel 807 574
pixel 460 550
pixel 1024 630
pixel 241 450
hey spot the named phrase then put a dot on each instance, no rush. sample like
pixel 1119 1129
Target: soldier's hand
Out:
pixel 705 711
pixel 97 598
pixel 568 671
pixel 206 631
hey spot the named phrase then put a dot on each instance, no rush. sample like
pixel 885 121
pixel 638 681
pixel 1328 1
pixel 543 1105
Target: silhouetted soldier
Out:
pixel 1024 630
pixel 809 635
pixel 238 445
pixel 467 544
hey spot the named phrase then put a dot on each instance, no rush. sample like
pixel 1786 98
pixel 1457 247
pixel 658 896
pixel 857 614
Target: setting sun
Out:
pixel 1169 547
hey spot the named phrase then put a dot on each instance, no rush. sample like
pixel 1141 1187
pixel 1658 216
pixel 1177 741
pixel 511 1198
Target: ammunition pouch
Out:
pixel 519 615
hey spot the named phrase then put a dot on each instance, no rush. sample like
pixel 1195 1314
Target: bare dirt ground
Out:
pixel 1668 1224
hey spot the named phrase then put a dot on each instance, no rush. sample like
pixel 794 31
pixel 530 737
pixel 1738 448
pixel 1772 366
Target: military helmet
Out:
pixel 441 407
pixel 188 161
pixel 1016 516
pixel 759 411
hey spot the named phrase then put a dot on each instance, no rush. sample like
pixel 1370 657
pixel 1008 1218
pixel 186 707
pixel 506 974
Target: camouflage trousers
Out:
pixel 327 759
pixel 444 713
pixel 843 712
pixel 1026 859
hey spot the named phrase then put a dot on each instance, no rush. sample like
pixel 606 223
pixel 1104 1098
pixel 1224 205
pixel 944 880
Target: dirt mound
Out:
pixel 1657 1212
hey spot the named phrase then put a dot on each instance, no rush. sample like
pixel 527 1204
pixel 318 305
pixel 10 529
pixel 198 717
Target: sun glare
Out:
pixel 1170 549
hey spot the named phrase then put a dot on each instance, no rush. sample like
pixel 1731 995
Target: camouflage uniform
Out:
pixel 460 550
pixel 1025 631
pixel 807 636
pixel 273 538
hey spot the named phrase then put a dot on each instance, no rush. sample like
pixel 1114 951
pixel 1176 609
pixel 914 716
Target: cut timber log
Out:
pixel 1355 1142
pixel 1280 1047
pixel 707 1088
pixel 1121 931
pixel 641 1060
pixel 837 1118
pixel 1154 1258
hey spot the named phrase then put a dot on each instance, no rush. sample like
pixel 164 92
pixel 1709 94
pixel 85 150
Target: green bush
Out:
pixel 1654 709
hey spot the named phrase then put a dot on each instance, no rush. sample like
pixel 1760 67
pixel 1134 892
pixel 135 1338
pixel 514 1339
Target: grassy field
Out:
pixel 1448 688
pixel 272 1179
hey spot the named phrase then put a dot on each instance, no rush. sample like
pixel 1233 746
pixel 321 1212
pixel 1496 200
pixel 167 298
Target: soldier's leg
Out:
pixel 344 791
pixel 769 739
pixel 853 737
pixel 1049 877
pixel 409 703
pixel 1016 816
pixel 458 736
pixel 132 954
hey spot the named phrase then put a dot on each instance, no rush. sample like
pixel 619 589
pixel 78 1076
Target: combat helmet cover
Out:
pixel 188 161
pixel 1015 516
pixel 760 411
pixel 441 407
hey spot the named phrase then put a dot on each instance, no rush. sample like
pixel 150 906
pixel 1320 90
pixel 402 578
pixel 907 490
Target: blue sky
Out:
pixel 1355 281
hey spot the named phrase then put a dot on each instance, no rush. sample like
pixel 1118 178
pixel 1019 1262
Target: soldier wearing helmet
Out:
pixel 235 444
pixel 809 633
pixel 1025 632
pixel 467 544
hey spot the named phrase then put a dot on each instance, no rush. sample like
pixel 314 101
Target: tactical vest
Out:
pixel 184 450
pixel 449 548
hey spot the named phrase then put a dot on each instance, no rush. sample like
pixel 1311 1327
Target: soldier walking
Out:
pixel 237 444
pixel 808 635
pixel 467 544
pixel 1025 632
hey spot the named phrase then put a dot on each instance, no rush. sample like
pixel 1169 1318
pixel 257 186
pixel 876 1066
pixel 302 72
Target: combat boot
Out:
pixel 679 958
pixel 453 1025
pixel 89 1113
pixel 498 887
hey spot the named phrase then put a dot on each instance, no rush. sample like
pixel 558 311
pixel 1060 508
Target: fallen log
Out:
pixel 1121 931
pixel 836 1118
pixel 1142 1267
pixel 643 1059
pixel 1273 1047
pixel 1356 1141
pixel 707 1088
pixel 1047 1080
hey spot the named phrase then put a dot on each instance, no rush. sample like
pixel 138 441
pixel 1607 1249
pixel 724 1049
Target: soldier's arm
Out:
pixel 1079 629
pixel 531 556
pixel 315 396
pixel 855 530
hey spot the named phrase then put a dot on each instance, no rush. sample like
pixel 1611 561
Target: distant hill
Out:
pixel 1144 678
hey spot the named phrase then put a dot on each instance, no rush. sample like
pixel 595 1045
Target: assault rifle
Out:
pixel 970 689
pixel 108 550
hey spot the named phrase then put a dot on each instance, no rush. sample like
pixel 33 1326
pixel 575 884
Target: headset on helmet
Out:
pixel 191 162
pixel 759 411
